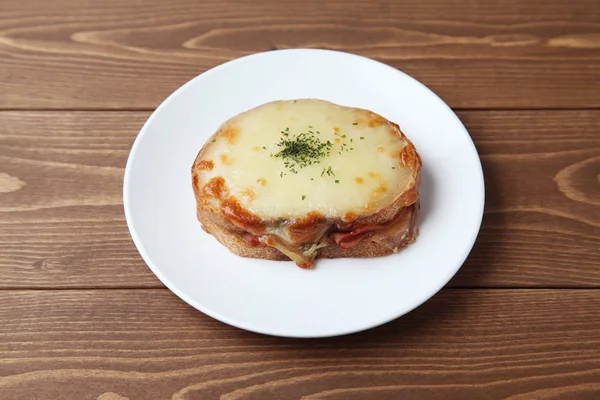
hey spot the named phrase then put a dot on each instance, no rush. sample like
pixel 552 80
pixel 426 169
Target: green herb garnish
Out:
pixel 301 150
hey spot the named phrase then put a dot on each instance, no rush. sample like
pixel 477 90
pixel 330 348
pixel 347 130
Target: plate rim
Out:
pixel 417 301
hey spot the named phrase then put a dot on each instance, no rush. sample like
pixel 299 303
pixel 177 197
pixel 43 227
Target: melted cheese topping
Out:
pixel 365 166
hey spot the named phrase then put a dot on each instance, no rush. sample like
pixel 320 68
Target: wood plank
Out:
pixel 132 54
pixel 61 213
pixel 62 224
pixel 542 218
pixel 147 344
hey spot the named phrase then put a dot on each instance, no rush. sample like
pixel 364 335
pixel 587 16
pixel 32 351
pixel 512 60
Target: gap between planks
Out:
pixel 458 288
pixel 150 109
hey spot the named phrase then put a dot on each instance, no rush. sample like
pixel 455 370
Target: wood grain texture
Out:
pixel 147 344
pixel 131 55
pixel 61 213
pixel 542 216
pixel 62 224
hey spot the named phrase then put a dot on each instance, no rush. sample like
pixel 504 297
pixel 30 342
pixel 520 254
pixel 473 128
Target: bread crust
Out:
pixel 389 228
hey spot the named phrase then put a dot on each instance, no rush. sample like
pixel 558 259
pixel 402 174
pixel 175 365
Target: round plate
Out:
pixel 273 297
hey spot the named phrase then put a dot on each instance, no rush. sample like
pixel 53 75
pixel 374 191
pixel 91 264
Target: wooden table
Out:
pixel 82 317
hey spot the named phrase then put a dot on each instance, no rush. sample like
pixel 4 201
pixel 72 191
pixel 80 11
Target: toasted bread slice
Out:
pixel 306 178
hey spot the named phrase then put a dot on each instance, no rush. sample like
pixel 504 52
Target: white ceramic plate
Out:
pixel 339 296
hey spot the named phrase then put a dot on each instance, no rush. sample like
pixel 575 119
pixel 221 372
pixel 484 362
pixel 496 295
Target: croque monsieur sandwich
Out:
pixel 304 179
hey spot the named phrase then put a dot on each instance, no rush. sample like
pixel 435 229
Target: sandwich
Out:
pixel 305 179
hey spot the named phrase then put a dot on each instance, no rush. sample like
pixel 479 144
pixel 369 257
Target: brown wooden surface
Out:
pixel 147 344
pixel 82 317
pixel 541 225
pixel 132 54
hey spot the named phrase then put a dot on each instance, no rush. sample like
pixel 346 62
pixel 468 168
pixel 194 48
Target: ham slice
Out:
pixel 391 235
pixel 348 240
